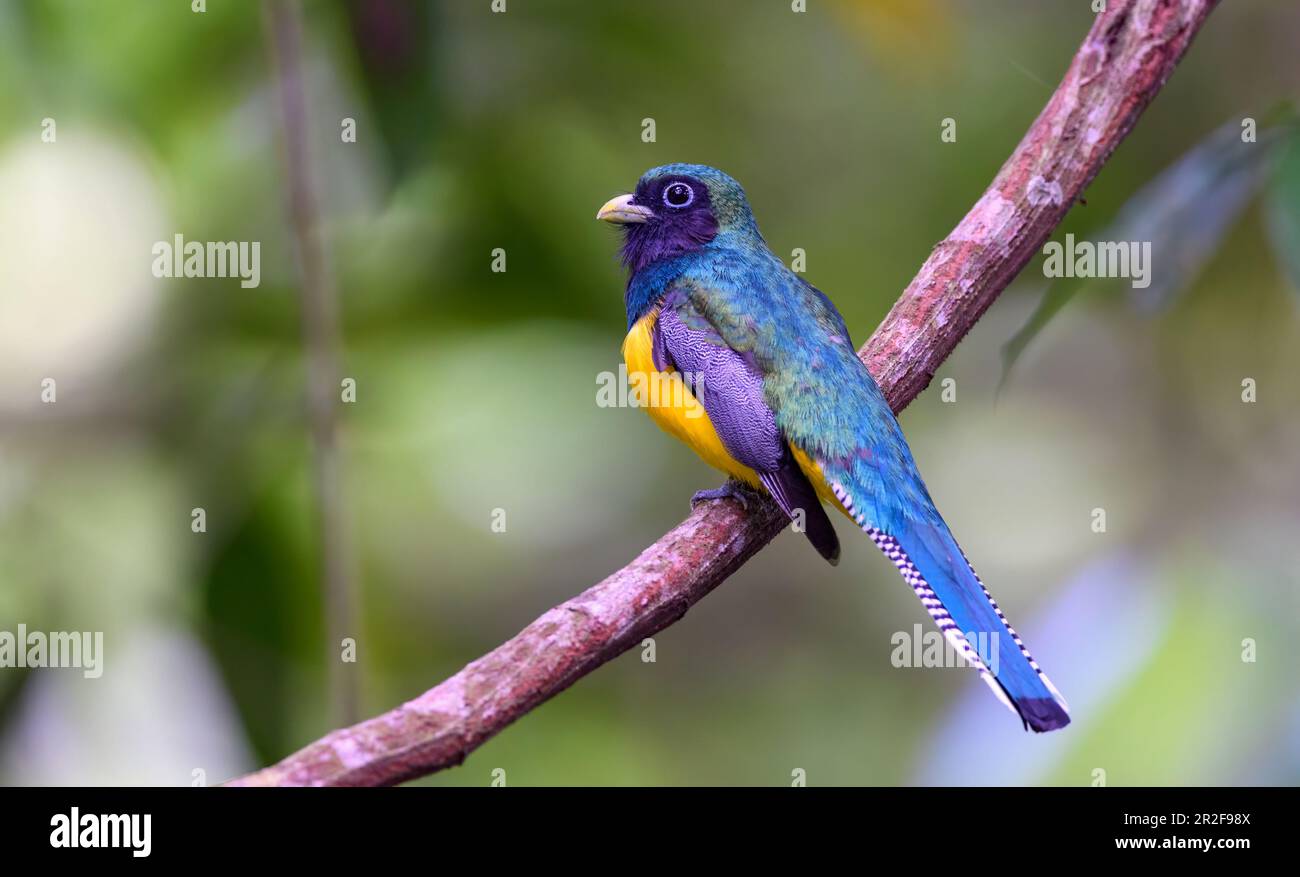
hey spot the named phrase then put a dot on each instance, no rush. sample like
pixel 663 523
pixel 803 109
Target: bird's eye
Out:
pixel 678 195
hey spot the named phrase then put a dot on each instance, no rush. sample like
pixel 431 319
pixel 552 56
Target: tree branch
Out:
pixel 1128 54
pixel 320 333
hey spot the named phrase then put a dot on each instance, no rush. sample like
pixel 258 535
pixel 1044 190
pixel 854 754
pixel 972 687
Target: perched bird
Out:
pixel 752 367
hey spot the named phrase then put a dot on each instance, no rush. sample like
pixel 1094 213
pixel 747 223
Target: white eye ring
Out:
pixel 675 188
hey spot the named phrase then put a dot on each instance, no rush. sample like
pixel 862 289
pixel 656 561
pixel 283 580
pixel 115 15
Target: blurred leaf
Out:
pixel 1184 212
pixel 1284 211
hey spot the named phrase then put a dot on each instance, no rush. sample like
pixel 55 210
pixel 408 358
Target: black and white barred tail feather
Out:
pixel 933 565
pixel 1015 637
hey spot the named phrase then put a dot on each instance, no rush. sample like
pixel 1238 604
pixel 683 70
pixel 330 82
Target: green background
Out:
pixel 476 391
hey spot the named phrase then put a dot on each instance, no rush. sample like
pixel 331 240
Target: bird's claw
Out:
pixel 730 489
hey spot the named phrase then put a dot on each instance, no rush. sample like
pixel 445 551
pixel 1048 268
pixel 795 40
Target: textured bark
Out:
pixel 1128 54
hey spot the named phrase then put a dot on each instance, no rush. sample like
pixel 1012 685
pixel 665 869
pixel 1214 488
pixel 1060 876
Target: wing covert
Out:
pixel 729 385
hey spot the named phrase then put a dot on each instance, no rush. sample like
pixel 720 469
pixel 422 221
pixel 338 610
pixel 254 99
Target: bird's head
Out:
pixel 675 209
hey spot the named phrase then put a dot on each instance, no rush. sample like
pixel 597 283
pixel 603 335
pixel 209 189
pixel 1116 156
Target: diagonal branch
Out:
pixel 1128 54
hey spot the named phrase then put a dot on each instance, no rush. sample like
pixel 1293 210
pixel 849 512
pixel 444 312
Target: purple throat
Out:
pixel 647 243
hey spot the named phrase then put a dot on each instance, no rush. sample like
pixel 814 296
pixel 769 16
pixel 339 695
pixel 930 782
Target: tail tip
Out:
pixel 1042 714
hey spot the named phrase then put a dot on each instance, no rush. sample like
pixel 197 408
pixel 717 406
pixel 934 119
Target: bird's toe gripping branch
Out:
pixel 730 489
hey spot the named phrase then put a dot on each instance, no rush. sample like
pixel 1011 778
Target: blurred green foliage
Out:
pixel 476 391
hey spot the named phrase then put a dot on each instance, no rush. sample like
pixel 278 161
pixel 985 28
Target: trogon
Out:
pixel 753 368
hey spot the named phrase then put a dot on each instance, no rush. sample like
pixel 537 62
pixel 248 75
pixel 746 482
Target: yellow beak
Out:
pixel 622 211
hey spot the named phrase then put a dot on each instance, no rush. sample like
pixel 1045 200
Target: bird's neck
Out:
pixel 650 279
pixel 647 286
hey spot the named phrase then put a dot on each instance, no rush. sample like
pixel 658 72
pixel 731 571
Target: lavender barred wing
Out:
pixel 730 387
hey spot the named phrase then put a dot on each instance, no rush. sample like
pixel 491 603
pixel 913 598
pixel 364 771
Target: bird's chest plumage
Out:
pixel 670 403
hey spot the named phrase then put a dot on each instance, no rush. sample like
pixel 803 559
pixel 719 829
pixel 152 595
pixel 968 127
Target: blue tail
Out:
pixel 935 567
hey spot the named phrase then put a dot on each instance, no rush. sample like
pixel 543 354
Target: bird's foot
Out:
pixel 731 489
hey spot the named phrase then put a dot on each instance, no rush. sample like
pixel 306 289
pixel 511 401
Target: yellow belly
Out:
pixel 672 405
